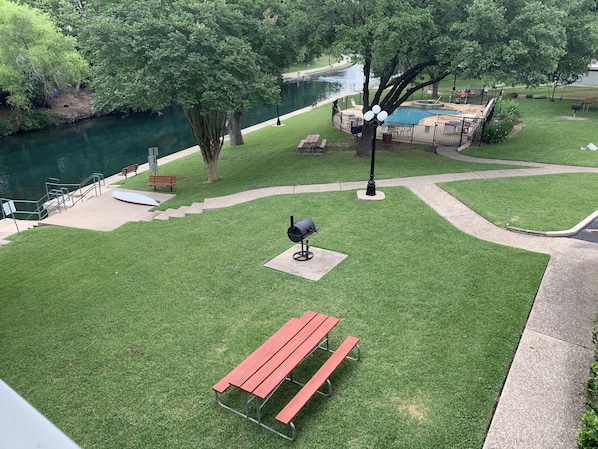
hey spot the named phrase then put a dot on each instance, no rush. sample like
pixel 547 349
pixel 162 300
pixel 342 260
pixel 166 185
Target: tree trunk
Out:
pixel 234 129
pixel 212 171
pixel 207 130
pixel 365 141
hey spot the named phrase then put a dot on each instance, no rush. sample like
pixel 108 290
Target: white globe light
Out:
pixel 382 116
pixel 368 116
pixel 376 109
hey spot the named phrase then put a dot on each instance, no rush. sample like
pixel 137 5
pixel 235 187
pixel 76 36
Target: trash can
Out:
pixel 386 138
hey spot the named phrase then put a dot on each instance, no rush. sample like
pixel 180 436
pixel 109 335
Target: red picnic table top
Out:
pixel 266 368
pixel 312 138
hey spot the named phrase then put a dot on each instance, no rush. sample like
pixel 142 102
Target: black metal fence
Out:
pixel 446 130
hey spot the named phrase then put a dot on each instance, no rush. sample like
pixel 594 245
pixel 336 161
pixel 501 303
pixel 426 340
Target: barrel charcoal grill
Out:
pixel 298 232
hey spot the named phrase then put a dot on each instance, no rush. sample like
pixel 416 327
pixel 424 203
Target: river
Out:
pixel 107 144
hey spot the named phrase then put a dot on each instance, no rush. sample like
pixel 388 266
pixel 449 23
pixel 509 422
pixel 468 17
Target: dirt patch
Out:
pixel 515 129
pixel 417 411
pixel 71 107
pixel 68 107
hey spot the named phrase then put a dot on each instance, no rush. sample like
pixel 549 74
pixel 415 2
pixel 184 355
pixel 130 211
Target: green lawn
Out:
pixel 268 158
pixel 546 137
pixel 323 62
pixel 541 203
pixel 118 337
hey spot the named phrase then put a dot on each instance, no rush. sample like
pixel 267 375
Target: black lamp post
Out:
pixel 277 117
pixel 375 117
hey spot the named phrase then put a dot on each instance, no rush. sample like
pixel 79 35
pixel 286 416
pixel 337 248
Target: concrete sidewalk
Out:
pixel 543 394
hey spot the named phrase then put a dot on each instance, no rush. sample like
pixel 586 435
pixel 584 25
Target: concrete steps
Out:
pixel 183 211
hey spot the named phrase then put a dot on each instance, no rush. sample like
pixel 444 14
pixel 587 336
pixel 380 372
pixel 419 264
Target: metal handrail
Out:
pixel 58 196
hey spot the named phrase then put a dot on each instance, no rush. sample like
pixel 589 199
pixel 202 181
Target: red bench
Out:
pixel 266 369
pixel 162 181
pixel 312 386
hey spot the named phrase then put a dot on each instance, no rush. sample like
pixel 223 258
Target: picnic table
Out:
pixel 311 141
pixel 261 374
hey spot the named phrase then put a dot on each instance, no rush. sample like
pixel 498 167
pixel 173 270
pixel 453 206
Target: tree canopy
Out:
pixel 195 56
pixel 411 44
pixel 35 58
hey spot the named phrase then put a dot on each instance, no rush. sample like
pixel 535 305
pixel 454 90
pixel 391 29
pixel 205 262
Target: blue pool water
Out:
pixel 411 116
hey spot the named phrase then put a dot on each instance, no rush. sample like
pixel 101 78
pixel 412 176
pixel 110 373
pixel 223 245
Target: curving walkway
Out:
pixel 544 392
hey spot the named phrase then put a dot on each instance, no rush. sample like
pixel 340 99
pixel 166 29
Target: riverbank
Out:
pixel 74 106
pixel 67 108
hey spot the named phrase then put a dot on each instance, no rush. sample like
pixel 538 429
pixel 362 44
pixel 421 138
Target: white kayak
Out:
pixel 135 198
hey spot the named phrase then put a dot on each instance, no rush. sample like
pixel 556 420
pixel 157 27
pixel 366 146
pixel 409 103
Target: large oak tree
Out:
pixel 412 44
pixel 194 56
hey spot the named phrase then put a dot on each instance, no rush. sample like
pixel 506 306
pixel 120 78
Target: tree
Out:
pixel 194 56
pixel 399 41
pixel 412 44
pixel 35 58
pixel 266 30
pixel 581 24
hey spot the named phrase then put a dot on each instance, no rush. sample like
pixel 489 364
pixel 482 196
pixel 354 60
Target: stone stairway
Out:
pixel 183 211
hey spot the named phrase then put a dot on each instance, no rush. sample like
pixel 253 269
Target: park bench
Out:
pixel 323 145
pixel 130 169
pixel 300 146
pixel 261 374
pixel 162 181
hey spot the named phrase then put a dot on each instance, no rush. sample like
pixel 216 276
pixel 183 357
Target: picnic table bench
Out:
pixel 162 181
pixel 261 374
pixel 130 169
pixel 311 142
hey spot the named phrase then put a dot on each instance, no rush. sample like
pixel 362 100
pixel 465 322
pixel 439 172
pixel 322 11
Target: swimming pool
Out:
pixel 410 115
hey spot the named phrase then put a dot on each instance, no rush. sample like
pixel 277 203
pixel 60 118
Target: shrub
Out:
pixel 497 130
pixel 588 435
pixel 506 115
pixel 35 119
pixel 6 128
pixel 506 108
pixel 587 438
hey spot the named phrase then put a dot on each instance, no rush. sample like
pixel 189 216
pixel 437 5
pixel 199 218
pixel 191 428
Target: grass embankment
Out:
pixel 323 62
pixel 118 337
pixel 541 203
pixel 268 158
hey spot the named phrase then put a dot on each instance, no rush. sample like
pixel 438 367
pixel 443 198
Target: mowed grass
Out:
pixel 540 203
pixel 118 337
pixel 269 158
pixel 547 137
